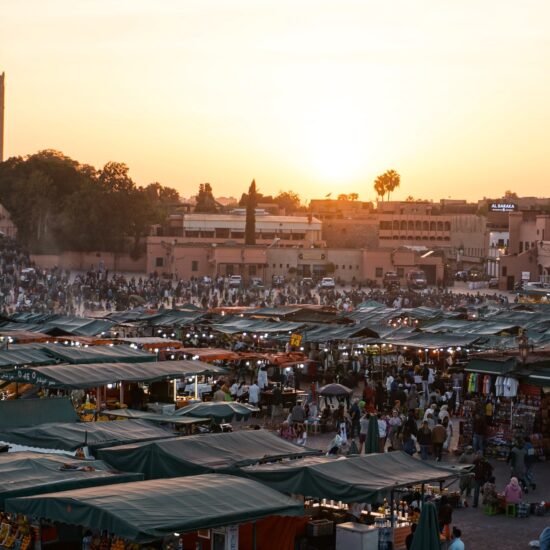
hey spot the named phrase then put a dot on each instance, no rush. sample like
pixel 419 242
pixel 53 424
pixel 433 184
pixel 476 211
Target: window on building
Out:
pixel 207 234
pixel 194 265
pixel 400 271
pixel 418 225
pixel 385 225
pixel 237 234
pixel 269 236
pixel 351 267
pixel 504 271
pixel 159 262
pixel 252 270
pixel 520 247
pixel 343 267
pixel 379 272
pixel 447 226
pixel 222 232
pixel 298 236
pixel 229 269
pixel 190 233
pixel 526 245
pixel 425 226
pixel 440 226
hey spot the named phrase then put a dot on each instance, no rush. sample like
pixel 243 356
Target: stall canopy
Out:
pixel 220 411
pixel 199 454
pixel 147 510
pixel 354 479
pixel 24 474
pixel 18 413
pixel 99 354
pixel 100 374
pixel 155 417
pixel 20 357
pixel 495 366
pixel 69 437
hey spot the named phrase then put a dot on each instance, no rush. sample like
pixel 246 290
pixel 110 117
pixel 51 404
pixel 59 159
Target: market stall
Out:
pixel 130 515
pixel 78 435
pixel 373 489
pixel 203 453
pixel 28 474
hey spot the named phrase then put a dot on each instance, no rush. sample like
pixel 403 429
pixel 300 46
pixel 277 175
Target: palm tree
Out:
pixel 386 183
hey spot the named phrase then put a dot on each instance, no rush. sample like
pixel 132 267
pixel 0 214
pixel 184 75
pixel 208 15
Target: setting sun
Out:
pixel 323 94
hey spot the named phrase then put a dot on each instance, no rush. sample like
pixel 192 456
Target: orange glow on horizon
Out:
pixel 314 97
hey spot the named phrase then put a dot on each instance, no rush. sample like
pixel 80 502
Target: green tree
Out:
pixel 386 183
pixel 206 204
pixel 510 195
pixel 353 196
pixel 289 200
pixel 250 226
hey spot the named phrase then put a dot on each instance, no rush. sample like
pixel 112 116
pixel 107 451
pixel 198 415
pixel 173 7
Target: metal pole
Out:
pixel 254 536
pixel 121 393
pixel 196 387
pixel 392 517
pixel 423 493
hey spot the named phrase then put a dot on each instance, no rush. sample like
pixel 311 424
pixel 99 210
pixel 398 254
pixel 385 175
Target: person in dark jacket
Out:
pixel 424 438
pixel 482 472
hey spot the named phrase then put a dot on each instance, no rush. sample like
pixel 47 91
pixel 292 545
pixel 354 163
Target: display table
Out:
pixel 356 536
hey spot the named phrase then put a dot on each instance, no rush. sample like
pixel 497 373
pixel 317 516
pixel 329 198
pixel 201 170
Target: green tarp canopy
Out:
pixel 492 366
pixel 353 479
pixel 154 417
pixel 19 413
pixel 20 357
pixel 69 437
pixel 99 354
pixel 147 510
pixel 25 474
pixel 100 374
pixel 198 454
pixel 220 411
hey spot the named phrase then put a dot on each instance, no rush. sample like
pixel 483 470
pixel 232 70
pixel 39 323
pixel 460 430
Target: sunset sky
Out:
pixel 312 96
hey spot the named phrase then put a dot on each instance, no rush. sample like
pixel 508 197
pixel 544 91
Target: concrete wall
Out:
pixel 351 233
pixel 83 261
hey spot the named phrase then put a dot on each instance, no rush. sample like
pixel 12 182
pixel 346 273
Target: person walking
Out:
pixel 482 472
pixel 439 435
pixel 424 438
pixel 516 458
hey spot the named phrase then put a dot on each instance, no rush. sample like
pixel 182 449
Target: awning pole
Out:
pixel 196 387
pixel 98 398
pixel 254 536
pixel 392 516
pixel 121 394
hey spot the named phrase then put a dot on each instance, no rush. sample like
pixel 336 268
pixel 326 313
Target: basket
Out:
pixel 320 527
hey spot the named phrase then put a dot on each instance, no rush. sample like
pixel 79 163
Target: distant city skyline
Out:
pixel 314 97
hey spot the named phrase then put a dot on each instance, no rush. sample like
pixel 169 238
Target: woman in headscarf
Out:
pixel 512 492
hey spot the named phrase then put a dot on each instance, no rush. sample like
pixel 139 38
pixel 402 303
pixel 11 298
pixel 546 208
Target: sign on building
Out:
pixel 503 207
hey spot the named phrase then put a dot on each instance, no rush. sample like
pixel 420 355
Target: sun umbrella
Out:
pixel 218 410
pixel 372 443
pixel 426 536
pixel 335 390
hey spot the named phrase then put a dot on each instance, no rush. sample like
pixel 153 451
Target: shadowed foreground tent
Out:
pixel 23 474
pixel 147 510
pixel 71 436
pixel 372 443
pixel 426 536
pixel 353 479
pixel 199 454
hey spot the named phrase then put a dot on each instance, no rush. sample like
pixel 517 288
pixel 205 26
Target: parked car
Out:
pixel 327 283
pixel 461 276
pixel 235 281
pixel 416 279
pixel 307 282
pixel 391 280
pixel 278 280
pixel 493 282
pixel 475 275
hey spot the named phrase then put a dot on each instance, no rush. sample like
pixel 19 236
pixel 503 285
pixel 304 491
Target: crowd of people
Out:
pixel 27 287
